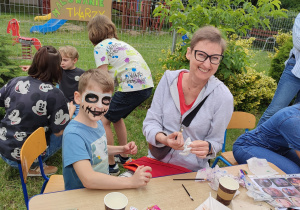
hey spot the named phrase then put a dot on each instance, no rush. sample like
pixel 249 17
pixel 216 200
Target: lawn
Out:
pixel 149 45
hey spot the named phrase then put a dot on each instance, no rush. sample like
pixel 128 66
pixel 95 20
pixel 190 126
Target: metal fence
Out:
pixel 136 26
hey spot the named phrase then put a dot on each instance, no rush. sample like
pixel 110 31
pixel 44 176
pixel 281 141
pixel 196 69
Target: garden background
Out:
pixel 250 72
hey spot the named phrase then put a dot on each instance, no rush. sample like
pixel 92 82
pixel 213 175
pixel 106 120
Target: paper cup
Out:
pixel 227 188
pixel 115 201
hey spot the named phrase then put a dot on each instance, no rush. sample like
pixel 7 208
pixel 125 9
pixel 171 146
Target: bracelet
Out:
pixel 209 148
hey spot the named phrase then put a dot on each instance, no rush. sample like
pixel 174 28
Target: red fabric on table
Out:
pixel 158 168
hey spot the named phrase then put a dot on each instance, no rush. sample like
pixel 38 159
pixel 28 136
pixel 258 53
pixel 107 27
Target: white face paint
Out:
pixel 95 103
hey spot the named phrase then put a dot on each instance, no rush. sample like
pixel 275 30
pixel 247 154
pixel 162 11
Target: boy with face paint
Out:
pixel 85 149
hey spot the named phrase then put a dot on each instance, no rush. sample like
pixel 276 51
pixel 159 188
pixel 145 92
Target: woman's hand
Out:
pixel 200 148
pixel 130 148
pixel 175 140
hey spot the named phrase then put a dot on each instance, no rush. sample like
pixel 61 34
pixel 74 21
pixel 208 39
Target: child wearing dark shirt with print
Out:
pixel 70 76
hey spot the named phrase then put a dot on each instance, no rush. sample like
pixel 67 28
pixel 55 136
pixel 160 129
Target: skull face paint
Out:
pixel 98 103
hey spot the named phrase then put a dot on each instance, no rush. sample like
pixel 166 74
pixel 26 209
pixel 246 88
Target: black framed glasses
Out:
pixel 202 56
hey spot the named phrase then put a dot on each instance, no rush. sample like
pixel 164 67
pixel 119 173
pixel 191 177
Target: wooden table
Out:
pixel 162 191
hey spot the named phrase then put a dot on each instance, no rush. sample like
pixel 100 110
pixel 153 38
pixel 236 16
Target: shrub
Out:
pixel 233 18
pixel 291 5
pixel 277 63
pixel 7 69
pixel 282 38
pixel 251 90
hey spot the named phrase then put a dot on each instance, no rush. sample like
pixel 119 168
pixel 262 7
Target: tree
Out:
pixel 7 69
pixel 231 16
pixel 234 17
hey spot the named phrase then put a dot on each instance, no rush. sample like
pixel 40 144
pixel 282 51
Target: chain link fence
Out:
pixel 133 18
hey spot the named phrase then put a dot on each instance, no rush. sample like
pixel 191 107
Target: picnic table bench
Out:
pixel 263 36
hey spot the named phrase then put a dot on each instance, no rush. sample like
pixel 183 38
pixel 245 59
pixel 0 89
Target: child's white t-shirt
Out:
pixel 125 64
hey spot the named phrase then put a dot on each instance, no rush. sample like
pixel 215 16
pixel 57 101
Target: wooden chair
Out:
pixel 239 120
pixel 33 147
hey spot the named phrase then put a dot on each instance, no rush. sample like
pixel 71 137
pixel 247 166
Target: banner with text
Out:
pixel 82 10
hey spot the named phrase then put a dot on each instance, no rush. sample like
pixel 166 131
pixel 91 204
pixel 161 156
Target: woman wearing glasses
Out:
pixel 179 93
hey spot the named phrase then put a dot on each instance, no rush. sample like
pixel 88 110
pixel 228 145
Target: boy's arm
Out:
pixel 72 109
pixel 129 148
pixel 103 67
pixel 96 180
pixel 59 133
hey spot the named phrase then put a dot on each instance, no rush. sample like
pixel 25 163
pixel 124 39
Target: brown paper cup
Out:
pixel 227 188
pixel 115 201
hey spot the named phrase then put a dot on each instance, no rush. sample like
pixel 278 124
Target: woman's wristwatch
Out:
pixel 209 148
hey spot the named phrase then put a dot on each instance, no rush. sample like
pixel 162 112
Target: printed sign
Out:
pixel 82 10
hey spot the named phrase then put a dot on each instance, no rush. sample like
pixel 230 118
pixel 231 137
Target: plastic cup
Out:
pixel 227 188
pixel 115 201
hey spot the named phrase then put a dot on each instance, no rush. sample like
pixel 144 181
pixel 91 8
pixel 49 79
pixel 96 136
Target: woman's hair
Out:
pixel 46 65
pixel 100 28
pixel 100 77
pixel 69 51
pixel 208 33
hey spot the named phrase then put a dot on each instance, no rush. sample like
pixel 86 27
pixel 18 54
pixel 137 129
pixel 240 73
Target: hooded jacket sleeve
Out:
pixel 153 122
pixel 220 119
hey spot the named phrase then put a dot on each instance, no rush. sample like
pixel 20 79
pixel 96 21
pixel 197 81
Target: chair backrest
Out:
pixel 240 120
pixel 34 145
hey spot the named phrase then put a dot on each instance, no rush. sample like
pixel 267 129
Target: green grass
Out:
pixel 149 45
pixel 260 61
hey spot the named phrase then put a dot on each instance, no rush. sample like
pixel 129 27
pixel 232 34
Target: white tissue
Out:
pixel 187 150
pixel 212 204
pixel 260 167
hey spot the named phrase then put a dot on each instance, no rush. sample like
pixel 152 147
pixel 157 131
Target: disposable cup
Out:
pixel 227 188
pixel 115 201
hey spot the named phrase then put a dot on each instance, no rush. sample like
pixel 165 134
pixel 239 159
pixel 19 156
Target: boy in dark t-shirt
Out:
pixel 70 76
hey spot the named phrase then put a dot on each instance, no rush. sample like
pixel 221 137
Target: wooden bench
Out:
pixel 263 36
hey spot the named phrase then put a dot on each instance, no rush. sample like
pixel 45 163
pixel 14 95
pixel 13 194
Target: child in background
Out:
pixel 70 76
pixel 132 78
pixel 85 149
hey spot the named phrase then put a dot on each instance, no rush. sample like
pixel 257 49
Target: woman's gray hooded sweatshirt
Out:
pixel 209 124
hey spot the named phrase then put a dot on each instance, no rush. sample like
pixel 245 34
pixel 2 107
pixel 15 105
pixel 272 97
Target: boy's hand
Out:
pixel 142 176
pixel 130 148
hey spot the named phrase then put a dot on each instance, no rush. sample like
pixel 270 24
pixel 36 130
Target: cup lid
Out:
pixel 229 183
pixel 116 200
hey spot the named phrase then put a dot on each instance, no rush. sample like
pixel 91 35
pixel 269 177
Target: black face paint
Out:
pixel 95 113
pixel 91 98
pixel 106 100
pixel 94 97
pixel 99 99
